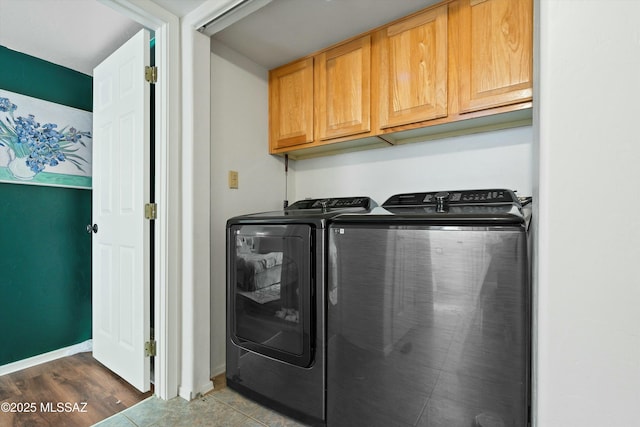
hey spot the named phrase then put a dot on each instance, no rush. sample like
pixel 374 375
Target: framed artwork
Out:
pixel 43 143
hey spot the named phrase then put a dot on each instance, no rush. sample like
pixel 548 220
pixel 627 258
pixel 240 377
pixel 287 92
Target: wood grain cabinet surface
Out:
pixel 413 69
pixel 291 104
pixel 496 53
pixel 457 67
pixel 343 88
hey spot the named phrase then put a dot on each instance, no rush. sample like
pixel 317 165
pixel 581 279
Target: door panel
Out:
pixel 413 69
pixel 496 51
pixel 291 105
pixel 121 251
pixel 270 298
pixel 344 89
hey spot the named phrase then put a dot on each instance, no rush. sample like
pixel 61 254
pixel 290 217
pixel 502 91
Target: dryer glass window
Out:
pixel 271 280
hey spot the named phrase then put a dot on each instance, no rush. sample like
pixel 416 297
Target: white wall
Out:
pixel 486 160
pixel 239 141
pixel 588 342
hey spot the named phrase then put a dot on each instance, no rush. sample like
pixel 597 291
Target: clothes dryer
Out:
pixel 276 287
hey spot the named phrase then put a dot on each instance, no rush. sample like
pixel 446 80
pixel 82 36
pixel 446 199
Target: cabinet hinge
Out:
pixel 151 74
pixel 150 211
pixel 150 348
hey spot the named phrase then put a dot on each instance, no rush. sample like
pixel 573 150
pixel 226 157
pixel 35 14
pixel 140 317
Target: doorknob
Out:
pixel 91 228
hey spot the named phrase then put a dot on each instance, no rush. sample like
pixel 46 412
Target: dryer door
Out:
pixel 269 299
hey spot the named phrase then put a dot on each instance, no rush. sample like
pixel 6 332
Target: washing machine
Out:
pixel 276 318
pixel 429 312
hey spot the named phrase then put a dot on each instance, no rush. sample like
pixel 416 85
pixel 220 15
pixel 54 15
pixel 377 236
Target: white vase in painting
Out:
pixel 19 169
pixel 6 156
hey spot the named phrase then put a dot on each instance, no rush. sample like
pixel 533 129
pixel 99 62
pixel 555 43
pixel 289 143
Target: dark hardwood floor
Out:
pixel 75 391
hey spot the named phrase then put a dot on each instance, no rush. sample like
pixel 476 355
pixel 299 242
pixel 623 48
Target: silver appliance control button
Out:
pixel 442 196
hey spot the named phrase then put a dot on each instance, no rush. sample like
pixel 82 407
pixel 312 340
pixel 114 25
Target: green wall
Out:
pixel 45 252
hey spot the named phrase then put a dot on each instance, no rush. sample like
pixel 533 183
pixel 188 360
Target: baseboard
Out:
pixel 189 395
pixel 46 357
pixel 220 369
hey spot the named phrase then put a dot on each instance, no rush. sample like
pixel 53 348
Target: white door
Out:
pixel 121 276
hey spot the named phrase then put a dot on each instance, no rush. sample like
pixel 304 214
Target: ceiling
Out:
pixel 79 34
pixel 284 30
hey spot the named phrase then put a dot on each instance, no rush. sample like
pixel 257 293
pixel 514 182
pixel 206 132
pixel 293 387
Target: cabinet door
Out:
pixel 291 104
pixel 344 89
pixel 496 53
pixel 413 69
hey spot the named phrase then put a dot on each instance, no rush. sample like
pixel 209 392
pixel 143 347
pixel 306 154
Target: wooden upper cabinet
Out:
pixel 440 71
pixel 343 88
pixel 291 105
pixel 413 69
pixel 496 53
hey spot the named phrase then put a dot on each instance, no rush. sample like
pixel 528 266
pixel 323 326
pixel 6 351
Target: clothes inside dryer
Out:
pixel 272 302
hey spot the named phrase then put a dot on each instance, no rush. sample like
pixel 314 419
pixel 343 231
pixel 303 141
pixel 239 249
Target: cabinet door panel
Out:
pixel 344 89
pixel 413 69
pixel 291 104
pixel 496 53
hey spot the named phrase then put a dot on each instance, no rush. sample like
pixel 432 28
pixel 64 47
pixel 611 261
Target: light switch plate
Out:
pixel 233 179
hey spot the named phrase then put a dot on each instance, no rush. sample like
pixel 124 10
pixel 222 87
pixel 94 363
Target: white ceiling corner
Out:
pixel 79 34
pixel 284 30
pixel 76 34
pixel 180 8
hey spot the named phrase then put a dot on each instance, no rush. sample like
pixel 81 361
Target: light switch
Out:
pixel 233 179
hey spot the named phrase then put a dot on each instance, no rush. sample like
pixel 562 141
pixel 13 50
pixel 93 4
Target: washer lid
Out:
pixel 468 207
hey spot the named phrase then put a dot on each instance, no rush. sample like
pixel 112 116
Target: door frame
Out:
pixel 196 350
pixel 167 226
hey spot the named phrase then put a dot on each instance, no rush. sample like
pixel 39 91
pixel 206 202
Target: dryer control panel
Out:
pixel 333 203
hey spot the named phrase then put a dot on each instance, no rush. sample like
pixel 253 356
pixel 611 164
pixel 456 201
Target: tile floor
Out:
pixel 223 407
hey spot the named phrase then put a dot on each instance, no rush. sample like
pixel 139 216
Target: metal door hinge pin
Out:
pixel 150 348
pixel 151 211
pixel 151 74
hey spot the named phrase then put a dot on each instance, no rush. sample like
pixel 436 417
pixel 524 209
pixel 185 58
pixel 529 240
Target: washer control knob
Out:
pixel 442 200
pixel 442 197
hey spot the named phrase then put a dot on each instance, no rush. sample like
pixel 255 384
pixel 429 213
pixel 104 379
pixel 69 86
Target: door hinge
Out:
pixel 151 211
pixel 151 74
pixel 150 348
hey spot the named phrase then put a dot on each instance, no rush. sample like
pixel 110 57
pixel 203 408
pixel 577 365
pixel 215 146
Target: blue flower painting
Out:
pixel 42 152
